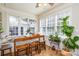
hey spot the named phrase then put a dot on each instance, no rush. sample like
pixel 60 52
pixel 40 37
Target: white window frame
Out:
pixel 56 21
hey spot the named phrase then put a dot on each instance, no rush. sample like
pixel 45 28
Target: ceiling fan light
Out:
pixel 39 4
pixel 45 4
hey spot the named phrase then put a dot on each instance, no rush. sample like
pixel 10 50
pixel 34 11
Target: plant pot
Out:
pixel 66 49
pixel 66 53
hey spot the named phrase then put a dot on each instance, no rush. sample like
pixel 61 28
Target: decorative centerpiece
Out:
pixel 28 32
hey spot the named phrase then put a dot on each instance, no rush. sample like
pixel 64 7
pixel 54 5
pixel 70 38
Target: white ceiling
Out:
pixel 29 7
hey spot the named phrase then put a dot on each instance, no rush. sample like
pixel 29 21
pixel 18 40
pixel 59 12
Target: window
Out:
pixel 21 30
pixel 32 25
pixel 13 25
pixel 43 26
pixel 13 30
pixel 19 26
pixel 52 23
pixel 23 25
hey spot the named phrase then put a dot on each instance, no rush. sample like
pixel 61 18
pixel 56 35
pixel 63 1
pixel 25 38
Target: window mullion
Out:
pixel 19 26
pixel 46 26
pixel 55 24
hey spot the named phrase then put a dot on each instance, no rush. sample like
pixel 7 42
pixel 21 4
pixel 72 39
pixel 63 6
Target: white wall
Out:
pixel 75 18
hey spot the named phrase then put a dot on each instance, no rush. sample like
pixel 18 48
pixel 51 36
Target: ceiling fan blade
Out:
pixel 37 5
pixel 51 4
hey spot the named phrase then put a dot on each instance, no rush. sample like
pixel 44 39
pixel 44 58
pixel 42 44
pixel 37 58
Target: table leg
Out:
pixel 10 51
pixel 2 53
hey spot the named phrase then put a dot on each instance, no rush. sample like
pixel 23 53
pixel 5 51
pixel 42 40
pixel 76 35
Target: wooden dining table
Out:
pixel 29 38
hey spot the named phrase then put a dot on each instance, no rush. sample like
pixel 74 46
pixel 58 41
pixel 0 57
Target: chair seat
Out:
pixel 42 43
pixel 22 46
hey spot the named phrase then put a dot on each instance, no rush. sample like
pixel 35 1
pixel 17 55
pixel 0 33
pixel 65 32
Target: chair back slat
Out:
pixel 20 39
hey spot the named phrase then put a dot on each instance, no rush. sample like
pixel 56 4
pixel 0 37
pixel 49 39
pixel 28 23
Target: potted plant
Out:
pixel 28 32
pixel 55 38
pixel 69 42
pixel 51 37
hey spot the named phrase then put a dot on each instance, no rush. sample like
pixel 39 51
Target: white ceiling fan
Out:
pixel 43 4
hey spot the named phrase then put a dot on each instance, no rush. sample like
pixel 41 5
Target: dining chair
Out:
pixel 20 45
pixel 34 47
pixel 42 44
pixel 35 44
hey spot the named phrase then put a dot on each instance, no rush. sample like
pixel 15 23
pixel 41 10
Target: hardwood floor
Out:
pixel 47 52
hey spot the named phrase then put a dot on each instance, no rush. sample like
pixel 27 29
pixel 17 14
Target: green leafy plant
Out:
pixel 28 31
pixel 51 37
pixel 69 43
pixel 76 38
pixel 1 29
pixel 54 38
pixel 67 30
